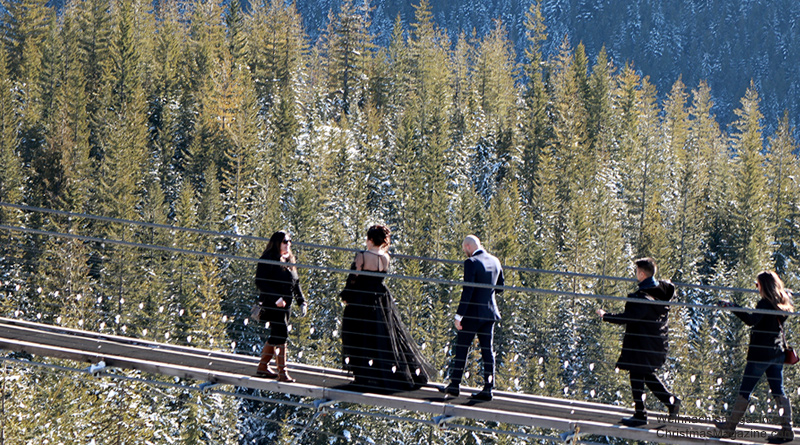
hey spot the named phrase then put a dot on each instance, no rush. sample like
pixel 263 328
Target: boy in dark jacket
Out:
pixel 645 344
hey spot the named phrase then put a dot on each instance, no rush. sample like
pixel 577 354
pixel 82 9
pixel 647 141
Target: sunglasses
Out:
pixel 286 241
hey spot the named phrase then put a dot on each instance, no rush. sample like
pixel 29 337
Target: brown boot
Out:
pixel 280 357
pixel 728 428
pixel 785 415
pixel 263 366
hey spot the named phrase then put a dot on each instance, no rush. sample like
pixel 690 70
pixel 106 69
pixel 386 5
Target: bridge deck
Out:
pixel 593 419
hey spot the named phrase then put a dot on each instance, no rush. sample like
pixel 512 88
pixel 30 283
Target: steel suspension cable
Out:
pixel 349 249
pixel 377 274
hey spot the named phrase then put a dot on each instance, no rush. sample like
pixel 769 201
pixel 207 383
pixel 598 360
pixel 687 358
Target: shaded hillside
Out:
pixel 725 42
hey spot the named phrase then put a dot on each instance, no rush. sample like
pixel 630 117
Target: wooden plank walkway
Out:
pixel 593 419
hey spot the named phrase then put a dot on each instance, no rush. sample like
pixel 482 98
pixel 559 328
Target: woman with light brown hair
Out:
pixel 765 355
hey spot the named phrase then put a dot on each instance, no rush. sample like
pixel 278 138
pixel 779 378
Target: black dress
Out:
pixel 376 345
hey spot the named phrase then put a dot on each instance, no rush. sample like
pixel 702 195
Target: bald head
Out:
pixel 471 244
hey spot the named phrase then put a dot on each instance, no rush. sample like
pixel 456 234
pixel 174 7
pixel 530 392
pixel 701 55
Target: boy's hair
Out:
pixel 646 265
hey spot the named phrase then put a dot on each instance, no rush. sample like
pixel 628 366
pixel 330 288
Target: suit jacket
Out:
pixel 479 303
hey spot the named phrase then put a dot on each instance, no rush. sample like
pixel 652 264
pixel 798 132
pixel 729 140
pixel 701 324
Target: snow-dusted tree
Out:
pixel 752 233
pixel 783 176
pixel 95 40
pixel 237 32
pixel 685 231
pixel 646 165
pixel 68 135
pixel 171 103
pixel 348 45
pixel 12 176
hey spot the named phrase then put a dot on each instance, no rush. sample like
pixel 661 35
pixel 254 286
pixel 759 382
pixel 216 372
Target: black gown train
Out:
pixel 377 347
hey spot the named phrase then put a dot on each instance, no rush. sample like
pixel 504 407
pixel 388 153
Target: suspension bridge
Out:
pixel 102 353
pixel 563 420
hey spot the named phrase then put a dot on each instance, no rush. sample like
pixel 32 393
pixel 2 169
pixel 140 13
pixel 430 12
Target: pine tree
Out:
pixel 349 49
pixel 30 46
pixel 68 133
pixel 427 113
pixel 125 161
pixel 752 234
pixel 209 331
pixel 602 128
pixel 278 50
pixel 646 165
pixel 207 35
pixel 716 169
pixel 655 164
pixel 495 76
pixel 690 177
pixel 575 163
pixel 537 174
pixel 26 29
pixel 11 177
pixel 171 100
pixel 462 64
pixel 122 178
pixel 209 211
pixel 237 32
pixel 153 267
pixel 399 66
pixel 95 40
pixel 495 80
pixel 783 183
pixel 535 124
pixel 232 106
pixel 502 239
pixel 184 273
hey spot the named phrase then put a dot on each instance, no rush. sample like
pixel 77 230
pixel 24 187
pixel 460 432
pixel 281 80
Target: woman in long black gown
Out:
pixel 377 347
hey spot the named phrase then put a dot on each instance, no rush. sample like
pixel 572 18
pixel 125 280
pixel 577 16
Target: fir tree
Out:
pixel 172 104
pixel 12 176
pixel 236 31
pixel 233 108
pixel 207 37
pixel 69 130
pixel 716 226
pixel 751 232
pixel 535 124
pixel 95 41
pixel 349 46
pixel 783 176
pixel 184 273
pixel 690 177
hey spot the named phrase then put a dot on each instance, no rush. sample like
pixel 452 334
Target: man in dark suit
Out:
pixel 476 315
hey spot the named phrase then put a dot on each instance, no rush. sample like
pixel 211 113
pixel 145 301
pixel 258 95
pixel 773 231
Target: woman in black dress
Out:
pixel 376 345
pixel 765 355
pixel 278 286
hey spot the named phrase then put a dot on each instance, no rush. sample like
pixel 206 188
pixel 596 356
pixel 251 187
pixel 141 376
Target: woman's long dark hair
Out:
pixel 273 250
pixel 771 288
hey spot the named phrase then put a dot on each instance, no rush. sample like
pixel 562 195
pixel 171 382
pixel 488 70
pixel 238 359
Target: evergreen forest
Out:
pixel 234 122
